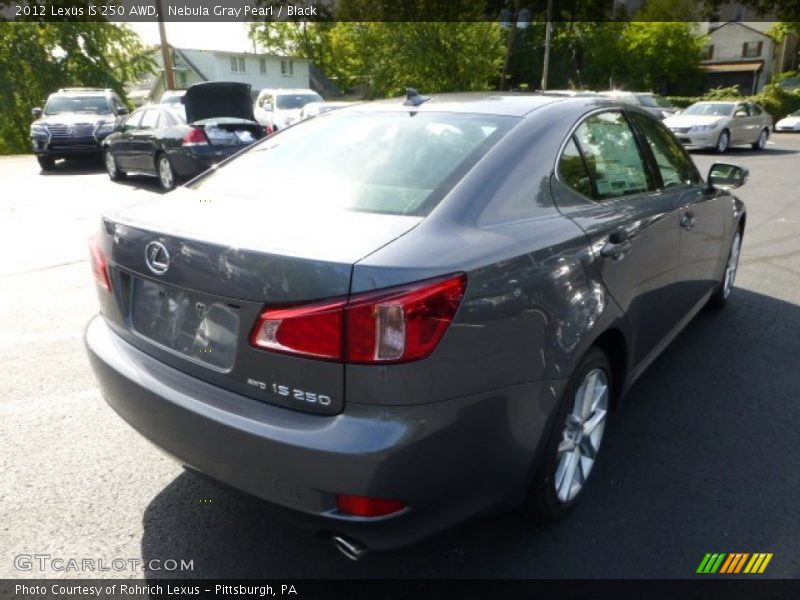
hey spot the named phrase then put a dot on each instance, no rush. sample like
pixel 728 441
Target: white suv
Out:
pixel 279 108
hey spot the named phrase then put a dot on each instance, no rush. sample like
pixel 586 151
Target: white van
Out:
pixel 280 108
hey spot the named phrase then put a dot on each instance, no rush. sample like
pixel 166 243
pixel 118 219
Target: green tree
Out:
pixel 37 58
pixel 662 54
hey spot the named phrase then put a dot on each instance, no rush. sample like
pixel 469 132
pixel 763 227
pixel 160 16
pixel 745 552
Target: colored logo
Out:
pixel 734 563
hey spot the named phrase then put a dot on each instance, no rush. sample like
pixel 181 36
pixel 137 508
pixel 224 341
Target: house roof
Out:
pixel 740 24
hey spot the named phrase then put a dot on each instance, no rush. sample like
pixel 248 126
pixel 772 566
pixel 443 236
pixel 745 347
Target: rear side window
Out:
pixel 399 163
pixel 612 156
pixel 673 162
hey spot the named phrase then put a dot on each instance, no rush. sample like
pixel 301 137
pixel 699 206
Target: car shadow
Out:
pixel 695 461
pixel 75 166
pixel 743 151
pixel 142 182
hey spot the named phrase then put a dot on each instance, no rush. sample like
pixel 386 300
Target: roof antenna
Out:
pixel 413 97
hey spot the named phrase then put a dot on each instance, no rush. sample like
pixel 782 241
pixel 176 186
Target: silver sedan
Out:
pixel 722 124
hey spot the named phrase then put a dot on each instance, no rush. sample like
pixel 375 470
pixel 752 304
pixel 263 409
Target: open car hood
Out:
pixel 215 99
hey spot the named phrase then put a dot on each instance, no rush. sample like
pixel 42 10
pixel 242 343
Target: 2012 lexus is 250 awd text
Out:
pixel 399 315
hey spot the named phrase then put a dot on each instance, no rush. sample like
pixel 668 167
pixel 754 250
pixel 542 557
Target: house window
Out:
pixel 708 52
pixel 287 67
pixel 751 49
pixel 237 64
pixel 262 65
pixel 181 79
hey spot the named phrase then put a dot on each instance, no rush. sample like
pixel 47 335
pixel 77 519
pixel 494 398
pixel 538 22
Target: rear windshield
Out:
pixel 79 104
pixel 392 163
pixel 654 101
pixel 292 101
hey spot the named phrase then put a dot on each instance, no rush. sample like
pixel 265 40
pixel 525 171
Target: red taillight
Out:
pixel 269 130
pixel 195 137
pixel 99 265
pixel 402 324
pixel 314 330
pixel 363 506
pixel 389 326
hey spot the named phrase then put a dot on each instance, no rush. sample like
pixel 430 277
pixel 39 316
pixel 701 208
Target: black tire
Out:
pixel 721 295
pixel 722 148
pixel 761 142
pixel 114 172
pixel 163 162
pixel 543 503
pixel 47 163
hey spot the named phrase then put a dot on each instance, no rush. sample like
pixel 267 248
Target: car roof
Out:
pixel 512 104
pixel 274 91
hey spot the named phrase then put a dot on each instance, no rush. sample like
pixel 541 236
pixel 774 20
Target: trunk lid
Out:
pixel 214 99
pixel 218 262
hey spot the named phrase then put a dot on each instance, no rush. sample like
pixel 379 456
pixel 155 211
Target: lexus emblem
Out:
pixel 156 257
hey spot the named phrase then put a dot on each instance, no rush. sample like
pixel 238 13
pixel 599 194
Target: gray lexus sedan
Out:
pixel 403 314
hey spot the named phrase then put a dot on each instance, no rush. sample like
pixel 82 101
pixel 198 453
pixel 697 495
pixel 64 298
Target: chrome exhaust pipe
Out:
pixel 350 548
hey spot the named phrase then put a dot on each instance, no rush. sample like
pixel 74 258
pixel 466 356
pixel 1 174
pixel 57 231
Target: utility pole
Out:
pixel 548 32
pixel 166 55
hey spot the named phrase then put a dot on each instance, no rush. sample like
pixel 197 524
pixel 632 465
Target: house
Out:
pixel 259 70
pixel 744 54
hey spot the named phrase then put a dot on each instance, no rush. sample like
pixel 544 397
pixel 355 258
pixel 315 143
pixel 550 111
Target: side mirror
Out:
pixel 36 112
pixel 726 176
pixel 122 110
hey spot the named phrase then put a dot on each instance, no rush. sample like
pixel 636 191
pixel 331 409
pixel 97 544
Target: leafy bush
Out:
pixel 777 101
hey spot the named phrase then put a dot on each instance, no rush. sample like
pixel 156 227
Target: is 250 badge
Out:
pixel 286 391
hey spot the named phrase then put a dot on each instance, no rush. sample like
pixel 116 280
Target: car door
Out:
pixel 607 186
pixel 120 145
pixel 740 124
pixel 143 142
pixel 701 220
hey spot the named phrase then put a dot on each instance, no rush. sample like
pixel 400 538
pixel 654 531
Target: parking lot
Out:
pixel 701 458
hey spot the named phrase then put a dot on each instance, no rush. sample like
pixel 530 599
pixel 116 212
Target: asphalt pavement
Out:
pixel 700 458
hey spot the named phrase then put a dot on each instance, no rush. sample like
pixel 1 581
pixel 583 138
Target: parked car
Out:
pixel 173 97
pixel 279 108
pixel 569 93
pixel 790 122
pixel 159 140
pixel 656 105
pixel 74 123
pixel 314 109
pixel 721 124
pixel 406 314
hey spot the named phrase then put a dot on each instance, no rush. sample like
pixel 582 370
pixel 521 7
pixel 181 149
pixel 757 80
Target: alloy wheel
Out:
pixel 732 266
pixel 582 435
pixel 111 165
pixel 722 143
pixel 165 173
pixel 762 139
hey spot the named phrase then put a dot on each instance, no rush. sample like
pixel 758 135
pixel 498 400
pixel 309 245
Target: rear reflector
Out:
pixel 388 326
pixel 195 137
pixel 363 506
pixel 99 265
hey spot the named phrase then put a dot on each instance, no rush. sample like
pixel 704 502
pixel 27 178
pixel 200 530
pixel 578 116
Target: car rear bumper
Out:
pixel 447 461
pixel 195 159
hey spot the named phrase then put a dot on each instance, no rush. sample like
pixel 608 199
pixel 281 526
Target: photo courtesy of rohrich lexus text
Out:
pixel 347 298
